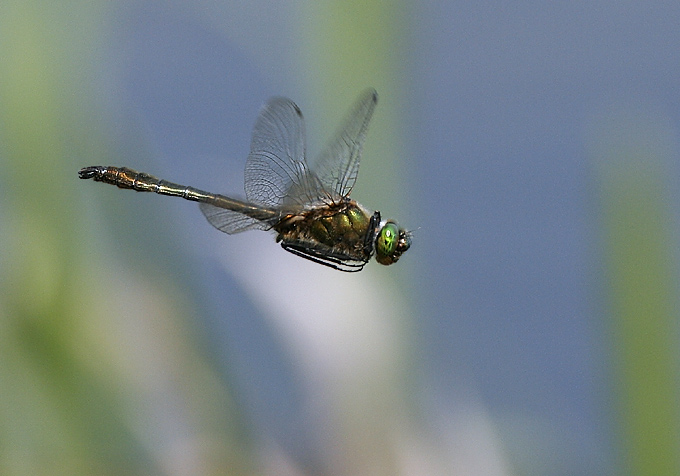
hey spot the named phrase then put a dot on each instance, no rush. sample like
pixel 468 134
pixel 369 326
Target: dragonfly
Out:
pixel 308 205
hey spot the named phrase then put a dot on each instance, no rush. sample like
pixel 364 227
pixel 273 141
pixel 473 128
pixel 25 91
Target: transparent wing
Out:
pixel 338 165
pixel 230 221
pixel 277 173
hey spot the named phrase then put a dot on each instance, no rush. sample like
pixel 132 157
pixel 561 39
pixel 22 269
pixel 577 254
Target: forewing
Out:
pixel 338 165
pixel 276 170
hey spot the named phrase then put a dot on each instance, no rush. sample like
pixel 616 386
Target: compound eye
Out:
pixel 386 243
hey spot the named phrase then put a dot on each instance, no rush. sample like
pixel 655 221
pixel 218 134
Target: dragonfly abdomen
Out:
pixel 123 177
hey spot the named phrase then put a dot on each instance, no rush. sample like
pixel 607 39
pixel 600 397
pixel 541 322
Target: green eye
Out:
pixel 387 240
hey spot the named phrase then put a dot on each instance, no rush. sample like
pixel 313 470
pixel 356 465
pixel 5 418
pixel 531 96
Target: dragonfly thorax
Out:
pixel 342 229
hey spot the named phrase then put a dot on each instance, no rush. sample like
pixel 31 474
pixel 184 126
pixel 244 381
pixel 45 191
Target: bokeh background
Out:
pixel 532 329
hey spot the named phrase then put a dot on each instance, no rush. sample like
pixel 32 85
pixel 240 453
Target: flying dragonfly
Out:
pixel 306 204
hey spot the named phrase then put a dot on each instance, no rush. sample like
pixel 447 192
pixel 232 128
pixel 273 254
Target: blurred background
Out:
pixel 532 329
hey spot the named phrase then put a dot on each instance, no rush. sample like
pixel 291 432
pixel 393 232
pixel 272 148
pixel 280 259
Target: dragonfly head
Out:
pixel 391 242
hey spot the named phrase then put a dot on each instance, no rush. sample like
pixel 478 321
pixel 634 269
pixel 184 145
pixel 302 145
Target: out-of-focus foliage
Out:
pixel 633 152
pixel 99 370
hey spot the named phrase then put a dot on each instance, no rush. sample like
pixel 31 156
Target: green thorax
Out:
pixel 341 227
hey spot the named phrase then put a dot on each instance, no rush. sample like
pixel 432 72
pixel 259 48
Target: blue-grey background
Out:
pixel 505 347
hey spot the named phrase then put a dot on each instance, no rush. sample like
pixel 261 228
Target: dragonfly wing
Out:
pixel 276 169
pixel 230 221
pixel 338 165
